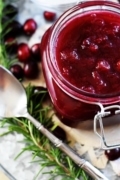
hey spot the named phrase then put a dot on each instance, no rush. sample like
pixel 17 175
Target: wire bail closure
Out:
pixel 105 111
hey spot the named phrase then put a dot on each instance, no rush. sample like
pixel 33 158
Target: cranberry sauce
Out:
pixel 81 60
pixel 88 52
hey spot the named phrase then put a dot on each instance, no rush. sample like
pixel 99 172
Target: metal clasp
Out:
pixel 105 111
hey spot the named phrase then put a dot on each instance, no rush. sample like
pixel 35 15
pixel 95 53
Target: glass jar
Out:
pixel 72 103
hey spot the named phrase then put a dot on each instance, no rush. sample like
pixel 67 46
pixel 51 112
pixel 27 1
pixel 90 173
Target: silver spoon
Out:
pixel 13 103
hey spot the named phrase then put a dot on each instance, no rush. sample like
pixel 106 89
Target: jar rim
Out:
pixel 81 7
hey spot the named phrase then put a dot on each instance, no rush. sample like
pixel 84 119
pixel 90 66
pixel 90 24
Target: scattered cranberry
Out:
pixel 49 16
pixel 17 71
pixel 113 154
pixel 59 133
pixel 35 49
pixel 4 19
pixel 14 29
pixel 11 45
pixel 10 10
pixel 31 70
pixel 39 90
pixel 23 53
pixel 29 26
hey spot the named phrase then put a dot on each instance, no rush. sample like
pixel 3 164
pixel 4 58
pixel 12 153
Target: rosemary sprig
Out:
pixel 36 143
pixel 39 145
pixel 5 59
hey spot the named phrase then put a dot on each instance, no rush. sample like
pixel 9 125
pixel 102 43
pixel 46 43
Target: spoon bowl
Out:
pixel 13 100
pixel 13 103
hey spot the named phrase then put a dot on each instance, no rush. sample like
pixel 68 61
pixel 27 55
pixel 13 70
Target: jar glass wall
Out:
pixel 73 101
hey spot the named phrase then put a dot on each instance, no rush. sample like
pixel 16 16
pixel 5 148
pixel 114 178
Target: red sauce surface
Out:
pixel 88 52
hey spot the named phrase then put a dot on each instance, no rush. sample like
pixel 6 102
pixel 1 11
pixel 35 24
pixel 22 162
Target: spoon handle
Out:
pixel 85 165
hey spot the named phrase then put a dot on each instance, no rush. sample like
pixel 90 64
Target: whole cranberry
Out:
pixel 10 10
pixel 39 91
pixel 49 16
pixel 36 51
pixel 59 133
pixel 23 53
pixel 29 27
pixel 13 29
pixel 17 71
pixel 31 70
pixel 11 45
pixel 113 154
pixel 4 19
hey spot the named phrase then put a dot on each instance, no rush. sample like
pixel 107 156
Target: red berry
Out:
pixel 38 89
pixel 11 45
pixel 14 29
pixel 10 10
pixel 17 71
pixel 29 26
pixel 4 19
pixel 38 92
pixel 113 154
pixel 59 133
pixel 49 16
pixel 23 53
pixel 31 70
pixel 35 49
